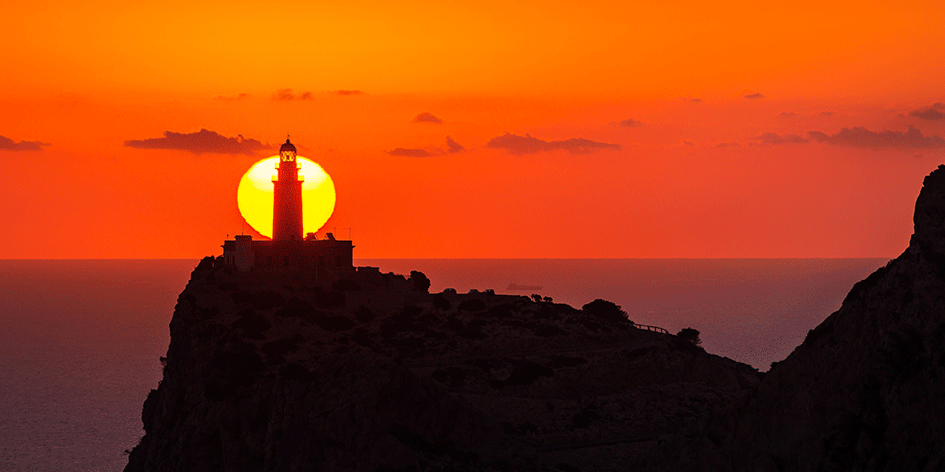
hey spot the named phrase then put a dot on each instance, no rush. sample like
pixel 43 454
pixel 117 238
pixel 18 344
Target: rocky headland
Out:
pixel 373 373
pixel 270 373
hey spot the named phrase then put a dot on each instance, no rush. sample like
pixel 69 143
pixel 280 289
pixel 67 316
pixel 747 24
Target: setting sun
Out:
pixel 255 195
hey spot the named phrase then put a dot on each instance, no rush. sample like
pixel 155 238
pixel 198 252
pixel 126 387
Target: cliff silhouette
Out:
pixel 374 373
pixel 866 389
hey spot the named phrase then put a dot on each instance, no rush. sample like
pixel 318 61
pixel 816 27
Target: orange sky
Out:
pixel 748 130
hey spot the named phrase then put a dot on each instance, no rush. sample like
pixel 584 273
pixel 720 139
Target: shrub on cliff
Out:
pixel 420 281
pixel 606 311
pixel 690 335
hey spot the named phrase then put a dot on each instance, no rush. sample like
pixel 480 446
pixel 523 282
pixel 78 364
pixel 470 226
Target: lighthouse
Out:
pixel 289 252
pixel 287 201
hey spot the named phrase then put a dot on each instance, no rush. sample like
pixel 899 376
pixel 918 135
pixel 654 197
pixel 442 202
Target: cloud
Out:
pixel 753 96
pixel 688 143
pixel 630 123
pixel 7 144
pixel 775 138
pixel 696 100
pixel 409 152
pixel 347 92
pixel 933 112
pixel 427 117
pixel 239 96
pixel 516 144
pixel 792 114
pixel 288 94
pixel 928 114
pixel 859 136
pixel 283 94
pixel 453 146
pixel 200 142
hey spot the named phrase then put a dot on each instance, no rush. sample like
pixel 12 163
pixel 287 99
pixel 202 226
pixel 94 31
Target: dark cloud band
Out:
pixel 453 146
pixel 7 144
pixel 527 144
pixel 288 94
pixel 406 152
pixel 859 136
pixel 775 138
pixel 427 117
pixel 200 142
pixel 933 112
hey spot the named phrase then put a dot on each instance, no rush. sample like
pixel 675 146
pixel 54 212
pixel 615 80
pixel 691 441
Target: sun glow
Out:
pixel 255 195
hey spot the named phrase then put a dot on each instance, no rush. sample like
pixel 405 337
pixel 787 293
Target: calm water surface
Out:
pixel 80 340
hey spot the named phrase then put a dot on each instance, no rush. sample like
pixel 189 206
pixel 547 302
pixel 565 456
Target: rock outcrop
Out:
pixel 266 373
pixel 866 389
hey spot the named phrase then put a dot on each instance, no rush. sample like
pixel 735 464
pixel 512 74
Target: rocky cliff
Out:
pixel 268 373
pixel 866 389
pixel 372 373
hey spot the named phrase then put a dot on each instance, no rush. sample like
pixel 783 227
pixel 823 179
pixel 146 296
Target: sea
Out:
pixel 80 340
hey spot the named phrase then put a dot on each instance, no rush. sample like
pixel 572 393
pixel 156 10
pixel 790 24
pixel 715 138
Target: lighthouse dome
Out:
pixel 287 147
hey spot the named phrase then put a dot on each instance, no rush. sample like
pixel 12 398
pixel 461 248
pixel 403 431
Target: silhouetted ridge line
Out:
pixel 862 392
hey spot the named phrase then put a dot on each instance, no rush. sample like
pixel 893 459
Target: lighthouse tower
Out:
pixel 287 205
pixel 324 260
